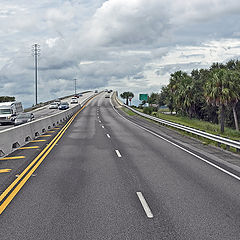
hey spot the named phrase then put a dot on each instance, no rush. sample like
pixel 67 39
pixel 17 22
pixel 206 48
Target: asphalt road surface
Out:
pixel 107 178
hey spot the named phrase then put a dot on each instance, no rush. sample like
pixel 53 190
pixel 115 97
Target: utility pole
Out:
pixel 75 85
pixel 36 54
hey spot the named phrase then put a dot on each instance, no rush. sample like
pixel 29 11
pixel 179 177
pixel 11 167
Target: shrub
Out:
pixel 148 110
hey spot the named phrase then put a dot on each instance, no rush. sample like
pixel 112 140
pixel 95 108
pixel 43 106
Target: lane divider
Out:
pixel 144 205
pixel 118 153
pixel 10 158
pixel 39 140
pixel 33 147
pixel 7 196
pixel 5 170
pixel 42 136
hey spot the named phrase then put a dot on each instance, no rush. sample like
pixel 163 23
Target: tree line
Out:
pixel 208 94
pixel 6 99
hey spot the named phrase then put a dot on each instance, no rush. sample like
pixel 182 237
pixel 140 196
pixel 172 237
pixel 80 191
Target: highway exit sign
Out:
pixel 143 97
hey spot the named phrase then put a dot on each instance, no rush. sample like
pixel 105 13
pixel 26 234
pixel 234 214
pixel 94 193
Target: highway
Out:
pixel 45 111
pixel 108 178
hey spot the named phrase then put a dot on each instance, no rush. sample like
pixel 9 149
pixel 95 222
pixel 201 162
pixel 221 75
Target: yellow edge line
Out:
pixel 38 140
pixel 26 169
pixel 24 180
pixel 45 136
pixel 29 147
pixel 8 158
pixel 5 170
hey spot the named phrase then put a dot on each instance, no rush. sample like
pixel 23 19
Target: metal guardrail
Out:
pixel 218 139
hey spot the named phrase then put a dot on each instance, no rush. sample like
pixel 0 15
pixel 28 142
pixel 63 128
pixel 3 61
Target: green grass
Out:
pixel 129 112
pixel 201 125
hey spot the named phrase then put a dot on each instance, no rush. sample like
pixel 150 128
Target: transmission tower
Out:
pixel 36 54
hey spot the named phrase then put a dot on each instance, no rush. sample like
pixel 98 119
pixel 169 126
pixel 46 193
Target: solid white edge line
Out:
pixel 144 205
pixel 118 153
pixel 174 144
pixel 108 135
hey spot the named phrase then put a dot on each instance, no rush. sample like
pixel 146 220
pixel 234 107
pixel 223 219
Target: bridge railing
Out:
pixel 12 138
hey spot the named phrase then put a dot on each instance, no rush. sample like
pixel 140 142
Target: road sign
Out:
pixel 143 97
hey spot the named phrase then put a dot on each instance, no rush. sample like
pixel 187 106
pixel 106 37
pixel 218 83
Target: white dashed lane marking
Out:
pixel 145 205
pixel 118 153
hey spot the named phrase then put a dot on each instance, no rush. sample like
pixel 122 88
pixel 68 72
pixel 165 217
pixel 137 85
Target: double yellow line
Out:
pixel 8 195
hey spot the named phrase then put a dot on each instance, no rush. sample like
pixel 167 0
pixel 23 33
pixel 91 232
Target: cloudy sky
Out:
pixel 126 45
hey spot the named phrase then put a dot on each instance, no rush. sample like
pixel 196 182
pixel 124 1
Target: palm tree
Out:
pixel 127 95
pixel 219 91
pixel 233 77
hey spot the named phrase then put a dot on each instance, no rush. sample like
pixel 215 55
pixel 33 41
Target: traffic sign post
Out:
pixel 143 97
pixel 130 100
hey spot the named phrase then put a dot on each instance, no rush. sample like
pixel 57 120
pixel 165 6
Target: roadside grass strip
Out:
pixel 10 158
pixel 11 191
pixel 5 170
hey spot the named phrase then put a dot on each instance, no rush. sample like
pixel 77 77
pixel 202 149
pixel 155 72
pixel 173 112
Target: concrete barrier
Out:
pixel 11 139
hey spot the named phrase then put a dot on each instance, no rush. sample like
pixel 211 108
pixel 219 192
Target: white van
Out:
pixel 9 111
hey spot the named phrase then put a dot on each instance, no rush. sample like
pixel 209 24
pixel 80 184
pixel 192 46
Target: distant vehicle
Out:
pixel 96 91
pixel 58 101
pixel 53 105
pixel 63 106
pixel 109 91
pixel 9 111
pixel 80 95
pixel 107 96
pixel 74 100
pixel 23 118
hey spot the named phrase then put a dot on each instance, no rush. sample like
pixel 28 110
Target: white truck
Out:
pixel 9 111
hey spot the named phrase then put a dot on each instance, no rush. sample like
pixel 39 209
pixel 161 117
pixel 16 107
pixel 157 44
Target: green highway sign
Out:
pixel 143 97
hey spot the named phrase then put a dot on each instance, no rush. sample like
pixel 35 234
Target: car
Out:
pixel 63 106
pixel 80 95
pixel 96 91
pixel 23 118
pixel 58 101
pixel 53 105
pixel 74 100
pixel 107 96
